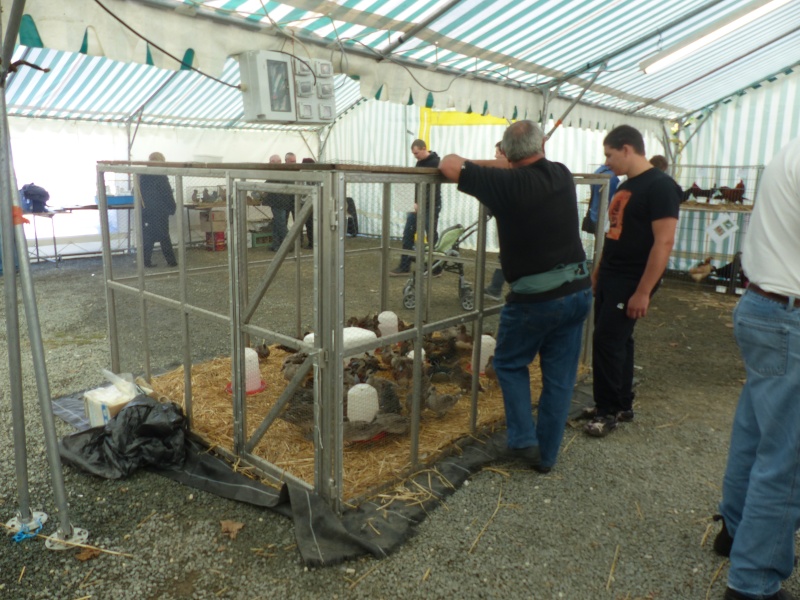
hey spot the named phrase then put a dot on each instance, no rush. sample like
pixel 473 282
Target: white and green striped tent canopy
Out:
pixel 496 57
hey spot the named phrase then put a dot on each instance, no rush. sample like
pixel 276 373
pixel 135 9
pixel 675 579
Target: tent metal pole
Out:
pixel 7 208
pixel 10 39
pixel 24 516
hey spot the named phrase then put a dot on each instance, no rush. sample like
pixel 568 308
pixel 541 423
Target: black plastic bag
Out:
pixel 588 225
pixel 145 433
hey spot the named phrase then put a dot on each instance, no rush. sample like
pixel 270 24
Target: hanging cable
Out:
pixel 160 49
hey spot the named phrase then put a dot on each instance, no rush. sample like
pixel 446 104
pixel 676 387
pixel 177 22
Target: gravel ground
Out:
pixel 624 517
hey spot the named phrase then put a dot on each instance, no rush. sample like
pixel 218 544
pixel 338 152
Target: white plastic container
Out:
pixel 352 336
pixel 253 381
pixel 488 344
pixel 362 403
pixel 387 323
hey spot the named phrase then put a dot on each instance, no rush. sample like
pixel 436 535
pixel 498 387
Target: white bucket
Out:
pixel 488 344
pixel 362 403
pixel 252 372
pixel 387 323
pixel 351 336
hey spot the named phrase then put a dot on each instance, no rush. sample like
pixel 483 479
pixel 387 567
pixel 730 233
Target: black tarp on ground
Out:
pixel 152 435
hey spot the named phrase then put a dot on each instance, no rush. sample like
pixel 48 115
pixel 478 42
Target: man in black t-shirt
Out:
pixel 642 218
pixel 425 158
pixel 536 210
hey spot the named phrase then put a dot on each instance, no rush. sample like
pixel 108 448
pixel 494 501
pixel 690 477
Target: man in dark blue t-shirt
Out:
pixel 536 210
pixel 642 218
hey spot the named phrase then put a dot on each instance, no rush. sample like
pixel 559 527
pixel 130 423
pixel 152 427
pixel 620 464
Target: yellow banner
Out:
pixel 429 118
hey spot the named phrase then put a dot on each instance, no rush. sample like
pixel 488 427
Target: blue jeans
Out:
pixel 553 330
pixel 280 217
pixel 761 487
pixel 410 230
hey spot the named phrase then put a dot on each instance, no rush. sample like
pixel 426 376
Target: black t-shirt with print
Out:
pixel 536 211
pixel 639 201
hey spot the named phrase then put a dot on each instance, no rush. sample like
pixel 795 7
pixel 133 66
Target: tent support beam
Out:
pixel 139 111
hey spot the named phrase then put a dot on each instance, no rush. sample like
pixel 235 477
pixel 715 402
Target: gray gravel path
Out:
pixel 619 518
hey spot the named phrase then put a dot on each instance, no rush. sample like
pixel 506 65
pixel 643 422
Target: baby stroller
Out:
pixel 447 247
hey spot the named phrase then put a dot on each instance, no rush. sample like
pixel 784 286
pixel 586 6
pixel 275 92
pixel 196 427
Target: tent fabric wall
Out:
pixel 61 155
pixel 381 133
pixel 750 128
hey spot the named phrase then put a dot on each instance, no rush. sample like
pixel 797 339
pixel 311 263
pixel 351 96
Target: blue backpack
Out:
pixel 34 198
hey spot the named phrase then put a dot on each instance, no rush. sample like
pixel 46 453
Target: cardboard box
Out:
pixel 103 404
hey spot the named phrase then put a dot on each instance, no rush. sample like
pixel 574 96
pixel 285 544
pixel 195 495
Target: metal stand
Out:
pixel 13 230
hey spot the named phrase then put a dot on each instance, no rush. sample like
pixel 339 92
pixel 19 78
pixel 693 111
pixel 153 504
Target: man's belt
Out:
pixel 772 295
pixel 550 280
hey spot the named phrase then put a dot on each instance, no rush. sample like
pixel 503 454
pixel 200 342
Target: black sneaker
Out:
pixel 731 594
pixel 601 426
pixel 625 416
pixel 723 542
pixel 530 456
pixel 398 272
pixel 588 413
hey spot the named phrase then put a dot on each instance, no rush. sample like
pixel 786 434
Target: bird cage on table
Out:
pixel 307 415
pixel 715 214
pixel 717 184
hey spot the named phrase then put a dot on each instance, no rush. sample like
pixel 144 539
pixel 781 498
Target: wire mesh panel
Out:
pixel 707 244
pixel 716 184
pixel 292 347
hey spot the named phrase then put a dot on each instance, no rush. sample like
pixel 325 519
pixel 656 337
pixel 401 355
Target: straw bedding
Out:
pixel 367 466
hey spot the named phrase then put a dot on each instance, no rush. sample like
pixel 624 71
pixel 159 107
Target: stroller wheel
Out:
pixel 409 298
pixel 467 298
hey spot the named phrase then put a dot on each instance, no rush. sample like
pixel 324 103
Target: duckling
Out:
pixel 388 400
pixel 489 370
pixel 440 404
pixel 292 363
pixel 262 350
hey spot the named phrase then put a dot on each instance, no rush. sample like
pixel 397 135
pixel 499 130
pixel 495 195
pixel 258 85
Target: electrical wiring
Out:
pixel 160 49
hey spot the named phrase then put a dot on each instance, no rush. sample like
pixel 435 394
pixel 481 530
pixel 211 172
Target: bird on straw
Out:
pixel 440 404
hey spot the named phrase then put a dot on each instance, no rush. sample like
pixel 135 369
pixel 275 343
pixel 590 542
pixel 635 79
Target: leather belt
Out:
pixel 772 295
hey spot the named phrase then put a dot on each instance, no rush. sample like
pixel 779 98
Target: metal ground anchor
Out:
pixel 79 536
pixel 16 524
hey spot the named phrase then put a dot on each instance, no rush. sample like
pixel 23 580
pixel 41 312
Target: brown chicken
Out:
pixel 703 270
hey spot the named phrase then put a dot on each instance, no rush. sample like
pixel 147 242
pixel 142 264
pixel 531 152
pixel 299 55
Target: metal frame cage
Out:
pixel 168 322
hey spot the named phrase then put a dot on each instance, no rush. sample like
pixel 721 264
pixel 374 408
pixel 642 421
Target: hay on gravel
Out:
pixel 367 466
